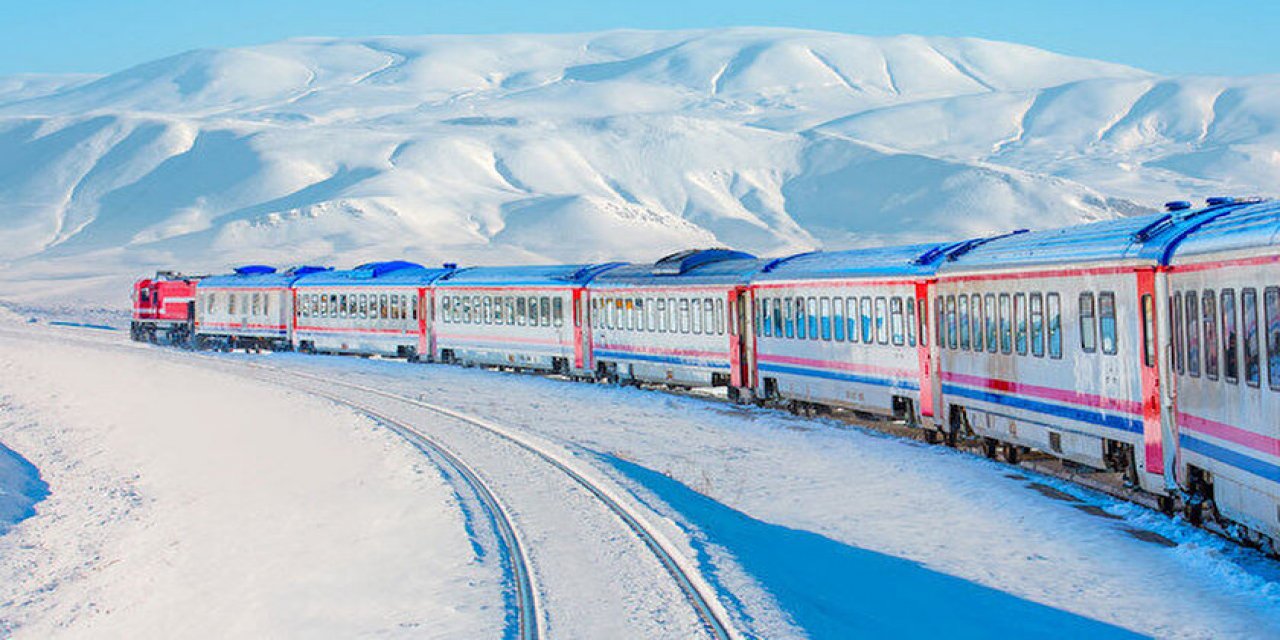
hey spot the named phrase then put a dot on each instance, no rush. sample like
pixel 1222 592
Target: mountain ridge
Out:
pixel 614 145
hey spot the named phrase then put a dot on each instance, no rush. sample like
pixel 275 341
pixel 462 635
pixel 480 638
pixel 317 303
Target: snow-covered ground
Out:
pixel 486 148
pixel 807 527
pixel 189 503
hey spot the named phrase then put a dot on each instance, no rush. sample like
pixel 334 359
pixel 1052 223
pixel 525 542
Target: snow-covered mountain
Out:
pixel 610 145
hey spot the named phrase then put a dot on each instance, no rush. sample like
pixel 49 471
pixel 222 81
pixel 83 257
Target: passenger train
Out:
pixel 1146 345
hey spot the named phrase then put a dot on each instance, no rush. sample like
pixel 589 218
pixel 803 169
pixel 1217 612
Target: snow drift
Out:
pixel 590 146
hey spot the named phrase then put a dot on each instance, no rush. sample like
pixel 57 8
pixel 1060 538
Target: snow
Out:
pixel 184 502
pixel 887 512
pixel 496 148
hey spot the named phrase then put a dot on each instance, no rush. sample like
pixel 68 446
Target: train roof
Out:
pixel 395 272
pixel 695 266
pixel 550 275
pixel 1135 238
pixel 907 260
pixel 1256 224
pixel 260 276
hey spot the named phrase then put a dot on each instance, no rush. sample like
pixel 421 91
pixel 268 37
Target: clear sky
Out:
pixel 1167 36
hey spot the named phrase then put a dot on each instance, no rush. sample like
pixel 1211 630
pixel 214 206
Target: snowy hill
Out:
pixel 591 146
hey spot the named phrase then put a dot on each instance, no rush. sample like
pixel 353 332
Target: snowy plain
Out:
pixel 485 149
pixel 213 507
pixel 808 527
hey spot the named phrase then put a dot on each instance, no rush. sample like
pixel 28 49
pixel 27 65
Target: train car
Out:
pixel 380 308
pixel 682 321
pixel 163 309
pixel 525 317
pixel 1046 340
pixel 848 329
pixel 1222 313
pixel 251 308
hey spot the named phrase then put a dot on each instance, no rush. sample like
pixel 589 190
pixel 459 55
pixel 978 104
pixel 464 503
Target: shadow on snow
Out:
pixel 834 590
pixel 20 488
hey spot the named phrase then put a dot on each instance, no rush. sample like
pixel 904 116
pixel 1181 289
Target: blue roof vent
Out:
pixel 1177 205
pixel 254 270
pixel 306 269
pixel 778 262
pixel 379 269
pixel 1218 201
pixel 450 265
pixel 683 261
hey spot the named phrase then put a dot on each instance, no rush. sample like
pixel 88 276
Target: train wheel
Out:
pixel 989 447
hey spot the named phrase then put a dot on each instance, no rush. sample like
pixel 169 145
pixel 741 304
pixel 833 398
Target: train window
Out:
pixel 1035 302
pixel 1271 302
pixel 522 310
pixel 1020 323
pixel 910 304
pixel 1249 327
pixel 760 309
pixel 789 320
pixel 851 318
pixel 544 309
pixel 396 302
pixel 660 309
pixel 697 316
pixel 962 320
pixel 557 311
pixel 684 315
pixel 868 329
pixel 991 319
pixel 1230 341
pixel 256 301
pixel 383 311
pixel 896 320
pixel 940 308
pixel 535 311
pixel 446 309
pixel 342 306
pixel 1006 323
pixel 709 325
pixel 1053 315
pixel 1209 312
pixel 1193 334
pixel 812 316
pixel 837 319
pixel 719 316
pixel 923 303
pixel 951 323
pixel 824 309
pixel 509 304
pixel 1148 332
pixel 1088 324
pixel 882 321
pixel 650 315
pixel 777 317
pixel 1179 334
pixel 362 306
pixel 1107 322
pixel 802 325
pixel 975 311
pixel 499 310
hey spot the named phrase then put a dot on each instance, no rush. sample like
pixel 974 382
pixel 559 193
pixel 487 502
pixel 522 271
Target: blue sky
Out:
pixel 1169 36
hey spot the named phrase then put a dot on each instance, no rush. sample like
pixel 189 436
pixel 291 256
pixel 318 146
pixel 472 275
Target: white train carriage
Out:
pixel 848 329
pixel 1223 310
pixel 251 308
pixel 525 317
pixel 1047 341
pixel 683 320
pixel 380 308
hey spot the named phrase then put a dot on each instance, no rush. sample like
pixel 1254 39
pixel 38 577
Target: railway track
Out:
pixel 714 619
pixel 527 623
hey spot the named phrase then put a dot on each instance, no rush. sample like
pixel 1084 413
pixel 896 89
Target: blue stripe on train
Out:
pixel 1100 418
pixel 649 357
pixel 1257 467
pixel 839 375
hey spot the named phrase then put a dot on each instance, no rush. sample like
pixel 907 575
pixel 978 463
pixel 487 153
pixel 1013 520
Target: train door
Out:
pixel 924 356
pixel 741 333
pixel 581 331
pixel 1151 458
pixel 426 337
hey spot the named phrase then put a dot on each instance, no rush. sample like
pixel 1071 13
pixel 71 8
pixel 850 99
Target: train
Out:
pixel 1146 346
